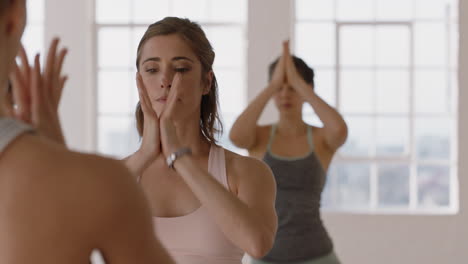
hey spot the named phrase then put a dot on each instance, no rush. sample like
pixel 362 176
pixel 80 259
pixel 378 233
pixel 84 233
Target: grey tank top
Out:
pixel 10 129
pixel 301 235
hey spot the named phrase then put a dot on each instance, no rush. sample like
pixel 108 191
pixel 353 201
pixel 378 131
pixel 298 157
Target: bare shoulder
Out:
pixel 247 169
pixel 66 182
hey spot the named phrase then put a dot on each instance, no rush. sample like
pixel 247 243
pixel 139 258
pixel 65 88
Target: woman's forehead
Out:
pixel 167 47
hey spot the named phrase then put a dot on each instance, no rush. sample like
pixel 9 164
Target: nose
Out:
pixel 284 91
pixel 166 81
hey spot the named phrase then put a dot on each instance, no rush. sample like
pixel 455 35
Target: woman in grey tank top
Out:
pixel 299 156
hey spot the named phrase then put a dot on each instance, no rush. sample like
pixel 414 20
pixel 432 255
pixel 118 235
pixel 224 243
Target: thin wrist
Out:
pixel 307 90
pixel 176 155
pixel 143 157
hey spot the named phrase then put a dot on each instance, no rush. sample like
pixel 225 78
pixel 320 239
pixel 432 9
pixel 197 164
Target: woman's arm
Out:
pixel 334 126
pixel 248 220
pixel 244 131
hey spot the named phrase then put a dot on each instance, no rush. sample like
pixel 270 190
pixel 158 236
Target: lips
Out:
pixel 162 99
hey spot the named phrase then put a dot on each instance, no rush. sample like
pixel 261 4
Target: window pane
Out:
pixel 113 11
pixel 392 136
pixel 33 40
pixel 309 116
pixel 315 42
pixel 228 53
pixel 114 92
pixel 433 138
pixel 453 50
pixel 356 46
pixel 393 185
pixel 356 91
pixel 231 90
pixel 360 136
pixel 430 8
pixel 325 85
pixel 393 46
pixel 353 184
pixel 453 7
pixel 114 48
pixel 393 91
pixel 35 11
pixel 194 10
pixel 430 48
pixel 431 93
pixel 355 9
pixel 150 11
pixel 453 92
pixel 118 136
pixel 394 9
pixel 137 35
pixel 228 11
pixel 315 9
pixel 433 185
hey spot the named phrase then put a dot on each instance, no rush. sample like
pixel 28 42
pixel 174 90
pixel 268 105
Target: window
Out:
pixel 389 66
pixel 33 37
pixel 119 28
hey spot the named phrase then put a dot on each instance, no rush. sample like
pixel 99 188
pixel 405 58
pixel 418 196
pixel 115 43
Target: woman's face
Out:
pixel 287 100
pixel 13 22
pixel 161 58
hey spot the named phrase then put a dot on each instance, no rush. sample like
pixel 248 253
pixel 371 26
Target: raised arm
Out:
pixel 334 126
pixel 244 131
pixel 248 218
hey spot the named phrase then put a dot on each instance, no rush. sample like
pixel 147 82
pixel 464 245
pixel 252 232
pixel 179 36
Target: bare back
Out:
pixel 56 206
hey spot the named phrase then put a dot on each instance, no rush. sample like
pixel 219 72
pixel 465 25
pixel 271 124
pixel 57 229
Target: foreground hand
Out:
pixel 37 94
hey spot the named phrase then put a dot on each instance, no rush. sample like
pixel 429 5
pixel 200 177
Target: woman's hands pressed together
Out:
pixel 36 95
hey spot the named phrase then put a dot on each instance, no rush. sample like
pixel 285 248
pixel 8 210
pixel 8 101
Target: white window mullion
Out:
pixel 413 183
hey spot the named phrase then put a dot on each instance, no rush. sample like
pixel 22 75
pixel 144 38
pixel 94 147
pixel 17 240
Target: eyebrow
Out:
pixel 157 59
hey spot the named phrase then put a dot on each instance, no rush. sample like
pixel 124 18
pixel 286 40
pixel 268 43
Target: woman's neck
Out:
pixel 291 124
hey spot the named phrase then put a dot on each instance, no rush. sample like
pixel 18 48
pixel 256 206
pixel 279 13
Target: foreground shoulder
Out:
pixel 243 165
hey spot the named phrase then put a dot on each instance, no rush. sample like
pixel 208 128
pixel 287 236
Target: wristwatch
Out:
pixel 174 156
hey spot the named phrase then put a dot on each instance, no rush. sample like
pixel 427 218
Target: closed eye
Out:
pixel 151 70
pixel 182 70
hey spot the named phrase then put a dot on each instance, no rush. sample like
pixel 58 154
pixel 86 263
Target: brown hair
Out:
pixel 193 35
pixel 4 4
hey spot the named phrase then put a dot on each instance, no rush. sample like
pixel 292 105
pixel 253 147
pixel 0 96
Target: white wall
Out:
pixel 72 22
pixel 363 239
